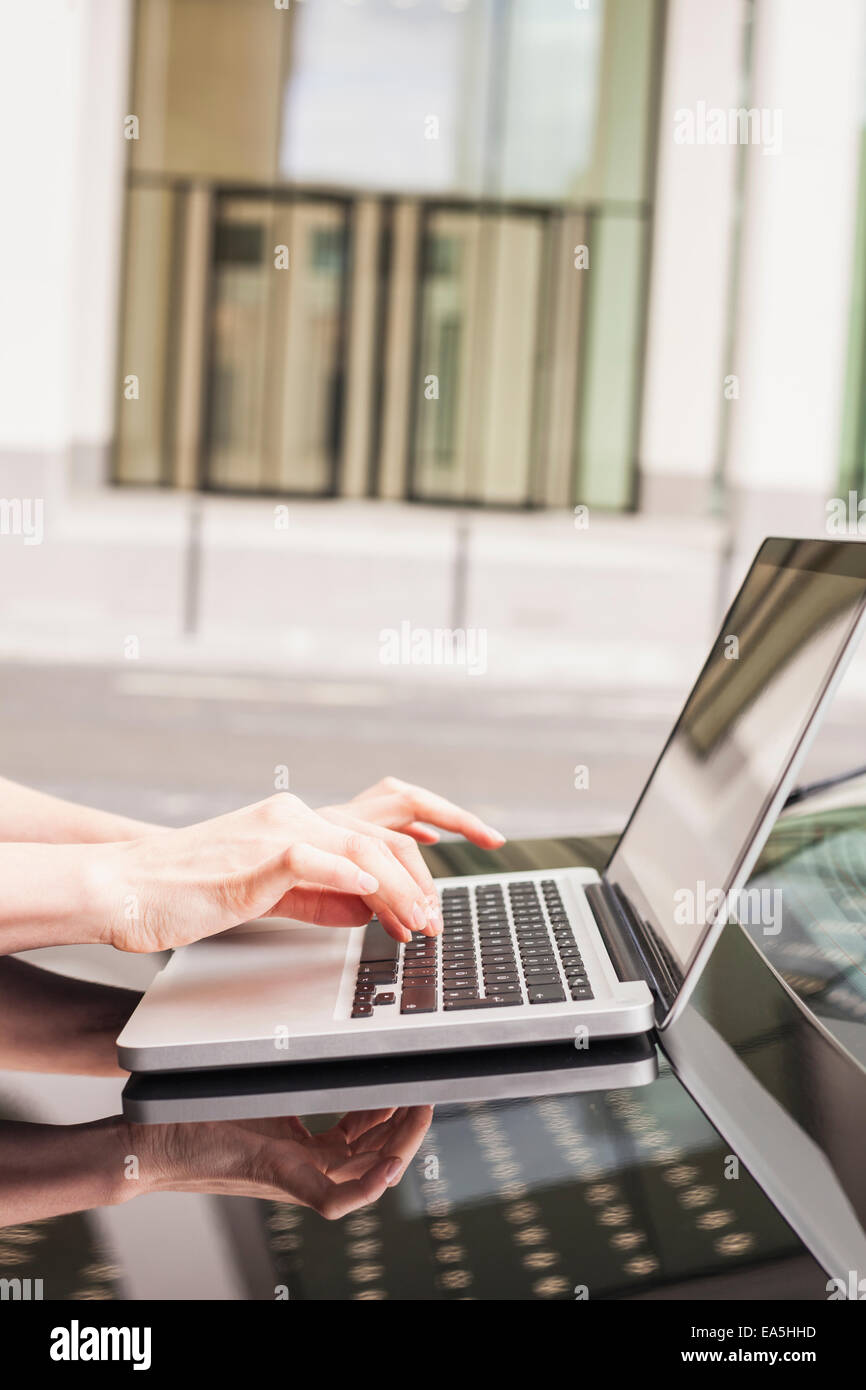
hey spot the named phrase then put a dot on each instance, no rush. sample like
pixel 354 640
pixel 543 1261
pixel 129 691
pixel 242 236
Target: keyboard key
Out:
pixel 491 1001
pixel 378 945
pixel 546 994
pixel 418 1001
pixel 377 977
pixel 518 933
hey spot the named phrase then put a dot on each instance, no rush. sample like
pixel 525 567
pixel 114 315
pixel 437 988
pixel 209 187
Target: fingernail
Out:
pixel 367 883
pixel 419 916
pixel 434 918
pixel 497 835
pixel 392 1172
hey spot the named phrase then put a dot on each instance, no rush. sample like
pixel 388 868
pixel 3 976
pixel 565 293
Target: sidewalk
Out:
pixel 339 588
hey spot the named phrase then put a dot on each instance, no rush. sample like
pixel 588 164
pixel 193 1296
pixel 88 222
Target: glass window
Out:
pixel 275 384
pixel 443 96
pixel 146 338
pixel 434 168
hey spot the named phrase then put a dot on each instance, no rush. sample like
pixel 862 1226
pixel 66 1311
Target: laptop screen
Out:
pixel 710 801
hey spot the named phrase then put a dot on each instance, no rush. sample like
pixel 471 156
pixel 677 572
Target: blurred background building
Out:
pixel 321 317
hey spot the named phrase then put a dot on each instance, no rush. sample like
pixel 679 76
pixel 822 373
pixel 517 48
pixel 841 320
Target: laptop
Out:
pixel 547 956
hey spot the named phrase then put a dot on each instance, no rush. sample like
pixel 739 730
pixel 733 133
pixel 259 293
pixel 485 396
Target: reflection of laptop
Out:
pixel 541 956
pixel 489 1074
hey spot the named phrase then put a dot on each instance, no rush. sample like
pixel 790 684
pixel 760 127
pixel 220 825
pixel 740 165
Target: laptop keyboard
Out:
pixel 502 944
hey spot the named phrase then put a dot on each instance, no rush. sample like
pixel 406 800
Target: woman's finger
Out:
pixel 422 833
pixel 393 926
pixel 324 907
pixel 410 803
pixel 258 889
pixel 401 846
pixel 398 894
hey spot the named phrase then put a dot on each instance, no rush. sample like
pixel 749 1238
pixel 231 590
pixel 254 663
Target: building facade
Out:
pixel 499 252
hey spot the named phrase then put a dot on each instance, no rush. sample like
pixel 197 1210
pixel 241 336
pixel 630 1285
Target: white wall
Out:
pixel 63 72
pixel 689 276
pixel 797 243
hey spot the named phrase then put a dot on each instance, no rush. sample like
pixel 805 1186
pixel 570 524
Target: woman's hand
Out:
pixel 334 1172
pixel 164 888
pixel 396 813
pixel 275 859
pixel 413 810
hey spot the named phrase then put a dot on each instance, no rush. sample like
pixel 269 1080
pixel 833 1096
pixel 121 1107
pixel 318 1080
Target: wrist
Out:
pixel 109 1147
pixel 89 894
pixel 120 828
pixel 154 1153
pixel 52 896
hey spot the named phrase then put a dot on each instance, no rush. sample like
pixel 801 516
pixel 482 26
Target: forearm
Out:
pixel 49 896
pixel 47 1170
pixel 29 815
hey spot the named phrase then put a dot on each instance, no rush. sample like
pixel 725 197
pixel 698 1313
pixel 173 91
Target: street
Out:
pixel 177 746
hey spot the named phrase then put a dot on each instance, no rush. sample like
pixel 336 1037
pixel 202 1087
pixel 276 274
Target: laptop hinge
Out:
pixel 629 948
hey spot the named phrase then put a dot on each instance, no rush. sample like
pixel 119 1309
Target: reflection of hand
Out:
pixel 46 1170
pixel 52 1023
pixel 335 1172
